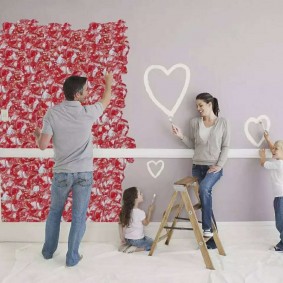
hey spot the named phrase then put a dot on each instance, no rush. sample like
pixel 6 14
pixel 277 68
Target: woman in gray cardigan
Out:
pixel 209 136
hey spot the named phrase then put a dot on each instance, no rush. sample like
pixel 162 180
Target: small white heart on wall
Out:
pixel 264 121
pixel 169 113
pixel 157 166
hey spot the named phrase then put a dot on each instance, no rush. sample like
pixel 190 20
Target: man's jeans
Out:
pixel 145 243
pixel 206 182
pixel 80 185
pixel 278 209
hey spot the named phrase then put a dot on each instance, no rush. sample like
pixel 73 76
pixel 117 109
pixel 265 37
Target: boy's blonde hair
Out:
pixel 279 144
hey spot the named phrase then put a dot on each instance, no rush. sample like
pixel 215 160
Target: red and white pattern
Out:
pixel 34 62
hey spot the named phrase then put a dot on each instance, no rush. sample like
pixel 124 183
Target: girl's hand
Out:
pixel 266 134
pixel 262 153
pixel 262 156
pixel 177 132
pixel 151 207
pixel 214 169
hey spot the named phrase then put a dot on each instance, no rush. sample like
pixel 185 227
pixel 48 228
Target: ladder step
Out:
pixel 182 218
pixel 206 239
pixel 197 206
pixel 179 188
pixel 163 237
pixel 186 181
pixel 175 206
pixel 177 228
pixel 188 219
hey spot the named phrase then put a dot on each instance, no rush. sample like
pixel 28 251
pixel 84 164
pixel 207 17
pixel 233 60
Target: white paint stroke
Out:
pixel 169 113
pixel 260 119
pixel 155 164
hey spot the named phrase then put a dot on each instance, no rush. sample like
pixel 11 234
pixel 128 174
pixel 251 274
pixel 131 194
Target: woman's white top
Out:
pixel 204 132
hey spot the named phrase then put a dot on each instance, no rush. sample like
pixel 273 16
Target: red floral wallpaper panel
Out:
pixel 34 62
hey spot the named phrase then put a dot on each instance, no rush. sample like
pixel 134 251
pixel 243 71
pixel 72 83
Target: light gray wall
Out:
pixel 233 49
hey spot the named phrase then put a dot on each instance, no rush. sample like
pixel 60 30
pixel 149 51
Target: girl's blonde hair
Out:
pixel 279 144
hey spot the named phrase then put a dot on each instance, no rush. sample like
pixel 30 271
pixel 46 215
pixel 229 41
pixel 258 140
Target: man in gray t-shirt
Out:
pixel 69 125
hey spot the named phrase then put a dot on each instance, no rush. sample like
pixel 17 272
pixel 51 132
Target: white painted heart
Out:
pixel 262 119
pixel 158 164
pixel 169 113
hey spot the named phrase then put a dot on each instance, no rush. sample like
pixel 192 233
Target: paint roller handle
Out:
pixel 150 210
pixel 147 219
pixel 266 134
pixel 153 199
pixel 177 132
pixel 268 140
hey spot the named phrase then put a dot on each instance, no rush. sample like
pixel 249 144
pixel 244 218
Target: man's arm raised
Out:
pixel 105 100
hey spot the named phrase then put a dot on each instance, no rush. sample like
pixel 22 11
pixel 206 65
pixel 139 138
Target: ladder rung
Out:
pixel 175 207
pixel 188 219
pixel 178 228
pixel 163 237
pixel 197 206
pixel 207 238
pixel 182 218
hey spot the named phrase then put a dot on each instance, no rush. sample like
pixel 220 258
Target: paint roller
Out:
pixel 153 199
pixel 173 125
pixel 263 126
pixel 170 118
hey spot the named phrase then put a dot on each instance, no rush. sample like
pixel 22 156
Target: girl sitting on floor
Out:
pixel 132 222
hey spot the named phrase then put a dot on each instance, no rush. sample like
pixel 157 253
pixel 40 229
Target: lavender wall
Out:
pixel 233 49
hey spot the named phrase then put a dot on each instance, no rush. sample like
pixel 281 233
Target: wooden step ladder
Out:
pixel 181 187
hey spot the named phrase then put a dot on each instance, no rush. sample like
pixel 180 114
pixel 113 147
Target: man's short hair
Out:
pixel 72 85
